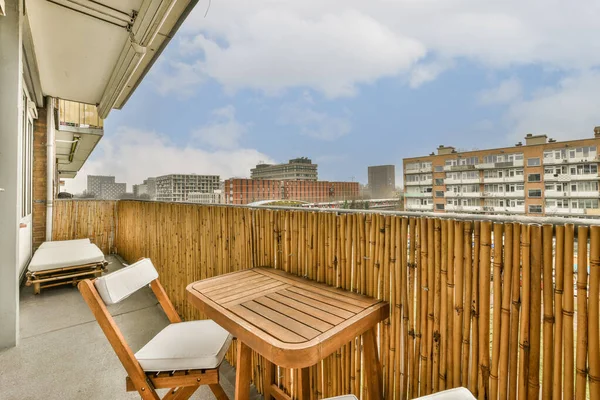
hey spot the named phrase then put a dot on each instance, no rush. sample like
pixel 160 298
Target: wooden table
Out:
pixel 291 321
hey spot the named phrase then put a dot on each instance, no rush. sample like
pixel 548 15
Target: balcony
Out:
pixel 513 194
pixel 461 181
pixel 425 182
pixel 418 194
pixel 463 194
pixel 189 242
pixel 420 207
pixel 574 160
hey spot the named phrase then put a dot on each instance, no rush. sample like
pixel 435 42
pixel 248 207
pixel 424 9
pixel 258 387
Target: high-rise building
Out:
pixel 177 187
pixel 104 187
pixel 541 177
pixel 244 191
pixel 146 189
pixel 297 169
pixel 382 181
pixel 95 182
pixel 112 191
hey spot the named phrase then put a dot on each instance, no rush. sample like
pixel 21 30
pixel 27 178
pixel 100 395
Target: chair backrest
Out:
pixel 121 284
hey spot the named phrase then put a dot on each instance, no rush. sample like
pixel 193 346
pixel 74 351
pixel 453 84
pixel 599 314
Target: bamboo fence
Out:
pixel 486 305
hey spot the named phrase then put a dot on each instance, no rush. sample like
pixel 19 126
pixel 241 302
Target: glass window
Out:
pixel 439 206
pixel 535 209
pixel 439 193
pixel 534 178
pixel 535 193
pixel 438 168
pixel 439 182
pixel 533 162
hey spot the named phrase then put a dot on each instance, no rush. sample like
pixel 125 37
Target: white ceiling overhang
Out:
pixel 73 148
pixel 98 51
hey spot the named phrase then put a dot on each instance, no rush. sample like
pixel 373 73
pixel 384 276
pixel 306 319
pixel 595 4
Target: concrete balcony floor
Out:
pixel 63 354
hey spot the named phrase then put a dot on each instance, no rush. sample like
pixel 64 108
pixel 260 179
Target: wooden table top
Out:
pixel 292 321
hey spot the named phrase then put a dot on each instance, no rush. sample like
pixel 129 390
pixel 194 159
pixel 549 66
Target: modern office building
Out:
pixel 146 189
pixel 95 182
pixel 177 187
pixel 112 191
pixel 297 169
pixel 540 177
pixel 244 191
pixel 382 181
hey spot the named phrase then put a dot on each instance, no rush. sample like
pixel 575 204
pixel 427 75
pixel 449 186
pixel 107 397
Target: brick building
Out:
pixel 541 177
pixel 244 191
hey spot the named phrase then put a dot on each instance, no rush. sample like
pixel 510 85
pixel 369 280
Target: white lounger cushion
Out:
pixel 58 243
pixel 121 284
pixel 185 345
pixel 344 397
pixel 450 394
pixel 65 256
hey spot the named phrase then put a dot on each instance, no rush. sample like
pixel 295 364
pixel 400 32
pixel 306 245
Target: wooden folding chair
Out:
pixel 181 357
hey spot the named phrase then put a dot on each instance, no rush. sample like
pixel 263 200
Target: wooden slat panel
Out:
pixel 239 290
pixel 327 299
pixel 253 296
pixel 273 329
pixel 296 314
pixel 200 286
pixel 248 281
pixel 317 304
pixel 293 303
pixel 227 296
pixel 283 320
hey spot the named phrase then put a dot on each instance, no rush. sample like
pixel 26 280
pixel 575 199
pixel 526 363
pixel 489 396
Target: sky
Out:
pixel 353 83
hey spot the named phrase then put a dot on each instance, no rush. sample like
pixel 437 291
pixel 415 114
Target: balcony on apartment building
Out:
pixel 463 194
pixel 418 194
pixel 464 208
pixel 463 181
pixel 505 179
pixel 504 194
pixel 423 182
pixel 570 194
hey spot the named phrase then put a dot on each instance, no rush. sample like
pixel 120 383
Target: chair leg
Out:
pixel 182 393
pixel 218 391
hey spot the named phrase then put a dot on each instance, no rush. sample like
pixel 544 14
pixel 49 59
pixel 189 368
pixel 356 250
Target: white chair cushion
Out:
pixel 121 284
pixel 344 397
pixel 451 394
pixel 72 255
pixel 185 345
pixel 58 243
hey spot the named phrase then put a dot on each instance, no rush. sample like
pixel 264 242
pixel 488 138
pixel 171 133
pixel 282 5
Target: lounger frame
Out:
pixel 181 384
pixel 71 275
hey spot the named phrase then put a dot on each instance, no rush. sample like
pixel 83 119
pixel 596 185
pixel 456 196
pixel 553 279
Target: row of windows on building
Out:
pixel 550 204
pixel 549 155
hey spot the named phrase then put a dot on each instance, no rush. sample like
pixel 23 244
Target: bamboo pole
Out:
pixel 582 317
pixel 386 295
pixel 484 311
pixel 450 304
pixel 474 375
pixel 568 310
pixel 437 304
pixel 548 306
pixel 444 306
pixel 413 306
pixel 505 323
pixel 525 313
pixel 594 313
pixel 535 315
pixel 458 302
pixel 557 376
pixel 468 265
pixel 496 307
pixel 406 310
pixel 423 313
pixel 515 313
pixel 430 302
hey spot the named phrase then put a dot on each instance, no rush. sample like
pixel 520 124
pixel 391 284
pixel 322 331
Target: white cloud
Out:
pixel 223 132
pixel 565 112
pixel 508 91
pixel 177 77
pixel 334 46
pixel 132 155
pixel 318 125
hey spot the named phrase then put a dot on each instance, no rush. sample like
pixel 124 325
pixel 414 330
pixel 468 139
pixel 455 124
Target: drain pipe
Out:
pixel 50 166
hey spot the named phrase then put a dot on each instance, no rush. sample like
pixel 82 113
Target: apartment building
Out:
pixel 382 181
pixel 146 189
pixel 206 198
pixel 244 191
pixel 95 182
pixel 112 191
pixel 177 187
pixel 297 169
pixel 540 177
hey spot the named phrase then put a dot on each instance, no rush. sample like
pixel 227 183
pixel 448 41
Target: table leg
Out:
pixel 371 364
pixel 269 378
pixel 244 371
pixel 304 384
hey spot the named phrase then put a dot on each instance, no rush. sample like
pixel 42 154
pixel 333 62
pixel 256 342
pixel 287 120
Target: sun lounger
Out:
pixel 64 262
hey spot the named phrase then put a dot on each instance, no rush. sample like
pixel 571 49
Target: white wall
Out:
pixel 11 64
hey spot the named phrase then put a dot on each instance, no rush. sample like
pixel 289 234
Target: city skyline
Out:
pixel 353 83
